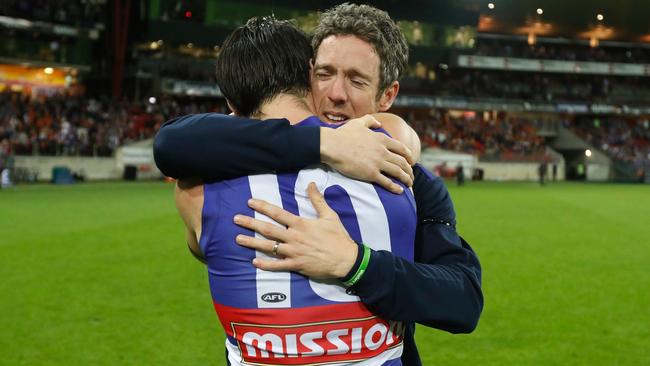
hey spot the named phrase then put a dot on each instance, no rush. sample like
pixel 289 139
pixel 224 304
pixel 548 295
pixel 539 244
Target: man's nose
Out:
pixel 338 93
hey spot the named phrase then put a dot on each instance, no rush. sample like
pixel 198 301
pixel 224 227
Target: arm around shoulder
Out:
pixel 441 288
pixel 215 146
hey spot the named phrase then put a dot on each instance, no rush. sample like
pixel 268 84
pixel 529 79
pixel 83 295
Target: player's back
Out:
pixel 285 318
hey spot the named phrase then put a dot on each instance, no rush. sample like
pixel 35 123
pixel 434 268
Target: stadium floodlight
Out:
pixel 48 70
pixel 532 38
pixel 600 17
pixel 491 6
pixel 588 153
pixel 152 100
pixel 540 11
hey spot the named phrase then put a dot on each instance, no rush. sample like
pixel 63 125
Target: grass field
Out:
pixel 98 274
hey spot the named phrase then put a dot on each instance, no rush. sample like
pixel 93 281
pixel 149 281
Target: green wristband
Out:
pixel 362 267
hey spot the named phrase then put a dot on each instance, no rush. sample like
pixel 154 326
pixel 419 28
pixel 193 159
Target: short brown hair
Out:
pixel 373 26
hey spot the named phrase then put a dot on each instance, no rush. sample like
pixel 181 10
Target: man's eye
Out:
pixel 357 82
pixel 321 75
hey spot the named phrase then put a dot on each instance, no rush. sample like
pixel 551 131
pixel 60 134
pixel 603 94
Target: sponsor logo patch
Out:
pixel 273 297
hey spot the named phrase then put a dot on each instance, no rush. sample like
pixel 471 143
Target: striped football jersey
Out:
pixel 284 318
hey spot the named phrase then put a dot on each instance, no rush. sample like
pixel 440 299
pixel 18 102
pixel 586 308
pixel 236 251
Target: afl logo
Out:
pixel 274 297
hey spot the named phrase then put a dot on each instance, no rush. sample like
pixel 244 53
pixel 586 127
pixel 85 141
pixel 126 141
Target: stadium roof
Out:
pixel 460 12
pixel 624 20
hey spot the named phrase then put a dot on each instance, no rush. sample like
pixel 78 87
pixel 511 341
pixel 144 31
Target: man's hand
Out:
pixel 360 153
pixel 317 248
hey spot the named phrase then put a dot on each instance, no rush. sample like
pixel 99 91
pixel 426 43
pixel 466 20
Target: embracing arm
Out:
pixel 215 146
pixel 442 288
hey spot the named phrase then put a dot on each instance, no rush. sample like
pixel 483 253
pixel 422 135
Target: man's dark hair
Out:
pixel 373 26
pixel 261 59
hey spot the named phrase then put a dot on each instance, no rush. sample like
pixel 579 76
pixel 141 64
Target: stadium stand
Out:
pixel 490 110
pixel 627 53
pixel 623 139
pixel 63 124
pixel 532 86
pixel 500 138
pixel 75 12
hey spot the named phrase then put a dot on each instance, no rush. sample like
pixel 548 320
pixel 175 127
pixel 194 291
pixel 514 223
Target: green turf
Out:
pixel 98 274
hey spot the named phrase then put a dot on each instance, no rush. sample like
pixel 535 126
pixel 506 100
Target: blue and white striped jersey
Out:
pixel 273 318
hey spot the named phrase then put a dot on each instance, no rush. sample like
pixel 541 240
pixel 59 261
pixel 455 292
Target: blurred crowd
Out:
pixel 77 125
pixel 566 52
pixel 624 140
pixel 509 139
pixel 70 125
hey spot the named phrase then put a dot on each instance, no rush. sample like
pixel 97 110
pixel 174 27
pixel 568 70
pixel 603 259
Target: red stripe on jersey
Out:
pixel 312 335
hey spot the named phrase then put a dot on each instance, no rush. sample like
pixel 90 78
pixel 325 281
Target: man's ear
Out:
pixel 311 68
pixel 388 96
pixel 234 111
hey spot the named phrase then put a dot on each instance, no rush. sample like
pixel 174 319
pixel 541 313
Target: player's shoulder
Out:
pixel 394 125
pixel 398 129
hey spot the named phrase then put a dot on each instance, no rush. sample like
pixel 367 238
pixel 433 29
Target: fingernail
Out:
pixel 252 202
pixel 239 238
pixel 237 219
